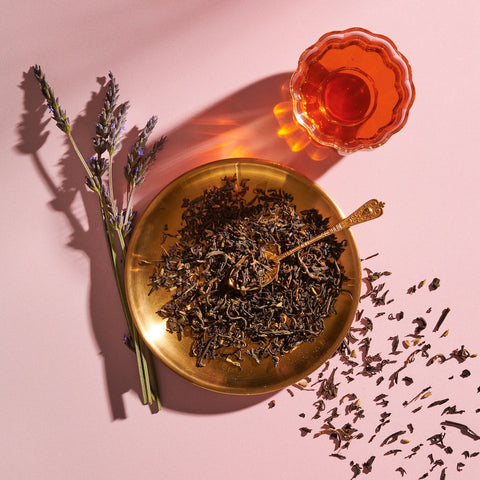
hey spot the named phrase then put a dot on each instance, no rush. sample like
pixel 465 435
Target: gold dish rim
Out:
pixel 218 375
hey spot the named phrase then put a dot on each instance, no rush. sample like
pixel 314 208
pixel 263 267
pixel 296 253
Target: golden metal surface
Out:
pixel 146 245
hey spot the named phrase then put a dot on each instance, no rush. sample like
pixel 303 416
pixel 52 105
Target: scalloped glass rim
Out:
pixel 404 86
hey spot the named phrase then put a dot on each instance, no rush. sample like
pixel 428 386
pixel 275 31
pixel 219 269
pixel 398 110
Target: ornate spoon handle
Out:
pixel 368 211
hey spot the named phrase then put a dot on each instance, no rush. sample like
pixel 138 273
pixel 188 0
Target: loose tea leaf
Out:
pixel 367 466
pixel 463 428
pixel 362 362
pixel 412 289
pixel 414 450
pixel 219 228
pixel 421 325
pixel 438 402
pixel 356 469
pixel 452 410
pixel 305 431
pixel 393 437
pixel 401 470
pixel 393 452
pixel 460 354
pixel 437 440
pixel 440 321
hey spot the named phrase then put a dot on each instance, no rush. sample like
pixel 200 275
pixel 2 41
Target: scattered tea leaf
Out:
pixel 305 431
pixel 393 452
pixel 463 428
pixel 393 437
pixel 416 397
pixel 414 450
pixel 357 353
pixel 421 325
pixel 356 469
pixel 452 410
pixel 444 314
pixel 435 283
pixel 436 463
pixel 460 354
pixel 367 466
pixel 438 402
pixel 369 257
pixel 439 356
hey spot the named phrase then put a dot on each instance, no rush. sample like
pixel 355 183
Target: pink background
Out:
pixel 213 71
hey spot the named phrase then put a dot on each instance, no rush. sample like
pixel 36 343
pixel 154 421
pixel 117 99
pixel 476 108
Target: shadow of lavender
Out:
pixel 243 124
pixel 65 187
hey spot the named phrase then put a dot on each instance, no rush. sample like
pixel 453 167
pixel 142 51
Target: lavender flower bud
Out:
pixel 94 184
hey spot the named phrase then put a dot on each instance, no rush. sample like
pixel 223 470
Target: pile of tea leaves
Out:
pixel 219 228
pixel 404 404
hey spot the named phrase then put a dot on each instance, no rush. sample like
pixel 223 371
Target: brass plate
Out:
pixel 219 375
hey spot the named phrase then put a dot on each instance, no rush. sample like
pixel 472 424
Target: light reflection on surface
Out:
pixel 255 122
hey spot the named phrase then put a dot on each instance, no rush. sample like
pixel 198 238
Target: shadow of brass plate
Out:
pixel 146 245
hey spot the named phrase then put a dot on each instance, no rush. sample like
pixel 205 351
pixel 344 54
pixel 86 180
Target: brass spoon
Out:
pixel 368 211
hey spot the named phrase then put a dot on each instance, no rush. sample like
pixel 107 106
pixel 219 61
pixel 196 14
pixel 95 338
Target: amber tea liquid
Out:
pixel 339 100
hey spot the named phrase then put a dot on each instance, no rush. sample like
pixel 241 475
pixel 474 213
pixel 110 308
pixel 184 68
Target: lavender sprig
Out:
pixel 58 114
pixel 138 163
pixel 102 128
pixel 108 132
pixel 117 127
pixel 107 139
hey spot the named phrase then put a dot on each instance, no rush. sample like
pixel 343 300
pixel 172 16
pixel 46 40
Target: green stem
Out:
pixel 143 362
pixel 110 182
pixel 130 192
pixel 113 258
pixel 155 382
pixel 80 156
pixel 121 239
